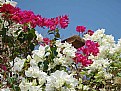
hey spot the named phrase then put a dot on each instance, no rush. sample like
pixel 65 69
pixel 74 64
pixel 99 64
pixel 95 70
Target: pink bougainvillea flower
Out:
pixel 80 29
pixel 92 47
pixel 83 52
pixel 28 17
pixel 3 67
pixel 90 32
pixel 82 59
pixel 16 18
pixel 97 44
pixel 63 21
pixel 58 22
pixel 7 8
pixel 8 11
pixel 85 61
pixel 50 23
pixel 46 40
pixel 40 21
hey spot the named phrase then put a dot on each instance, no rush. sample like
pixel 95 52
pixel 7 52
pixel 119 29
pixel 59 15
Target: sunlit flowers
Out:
pixel 80 29
pixel 59 79
pixel 18 64
pixel 90 32
pixel 90 48
pixel 28 17
pixel 31 62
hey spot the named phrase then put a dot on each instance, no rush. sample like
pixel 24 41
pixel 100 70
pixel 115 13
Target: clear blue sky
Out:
pixel 93 14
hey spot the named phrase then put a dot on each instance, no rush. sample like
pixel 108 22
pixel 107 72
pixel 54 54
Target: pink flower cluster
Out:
pixel 8 9
pixel 90 32
pixel 82 59
pixel 82 54
pixel 58 22
pixel 82 29
pixel 28 17
pixel 90 48
pixel 46 41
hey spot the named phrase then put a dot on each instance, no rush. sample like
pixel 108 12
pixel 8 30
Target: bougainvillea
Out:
pixel 28 17
pixel 90 48
pixel 80 29
pixel 31 62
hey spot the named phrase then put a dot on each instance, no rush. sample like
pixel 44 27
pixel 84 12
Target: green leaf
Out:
pixel 50 32
pixel 21 37
pixel 57 35
pixel 58 67
pixel 40 63
pixel 1 32
pixel 17 88
pixel 4 31
pixel 45 65
pixel 119 74
pixel 53 52
pixel 83 73
pixel 32 46
pixel 9 39
pixel 0 20
pixel 32 31
pixel 30 36
pixel 57 30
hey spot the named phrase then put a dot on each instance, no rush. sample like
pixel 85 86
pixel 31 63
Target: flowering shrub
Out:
pixel 54 65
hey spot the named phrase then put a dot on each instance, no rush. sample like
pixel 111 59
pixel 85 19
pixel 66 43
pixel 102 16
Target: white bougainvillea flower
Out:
pixel 18 64
pixel 29 86
pixel 25 86
pixel 39 37
pixel 35 88
pixel 32 72
pixel 58 79
pixel 99 64
pixel 5 89
pixel 41 52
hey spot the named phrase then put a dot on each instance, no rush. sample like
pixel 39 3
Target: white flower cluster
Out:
pixel 29 86
pixel 64 57
pixel 39 36
pixel 17 64
pixel 116 48
pixel 65 53
pixel 106 43
pixel 99 64
pixel 58 80
pixel 100 37
pixel 38 55
pixel 35 72
pixel 13 3
pixel 107 48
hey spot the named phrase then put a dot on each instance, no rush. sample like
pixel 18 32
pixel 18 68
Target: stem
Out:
pixel 77 72
pixel 79 33
pixel 54 35
pixel 82 34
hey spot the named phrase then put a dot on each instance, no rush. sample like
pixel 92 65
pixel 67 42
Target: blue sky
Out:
pixel 93 14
